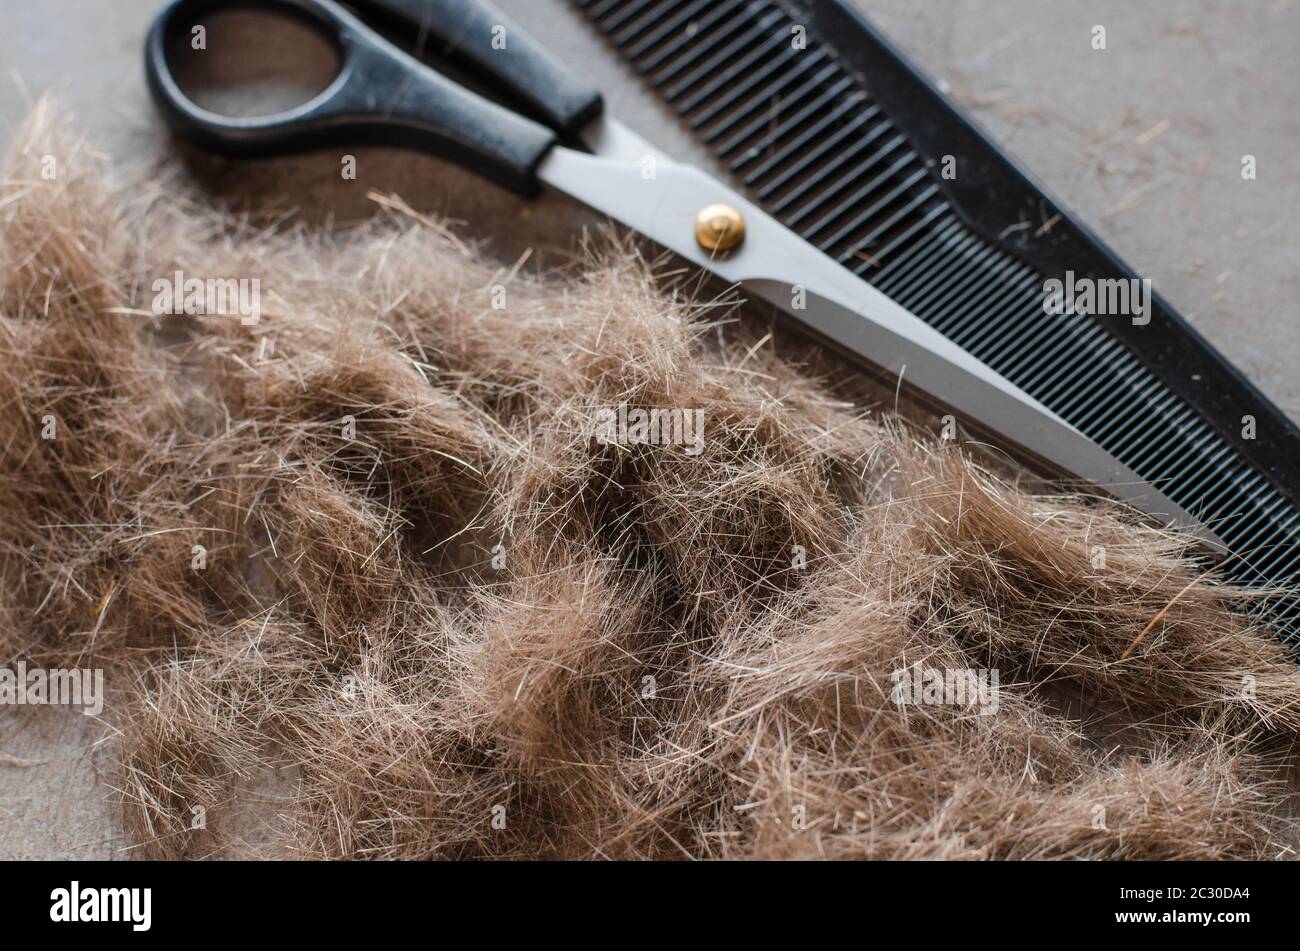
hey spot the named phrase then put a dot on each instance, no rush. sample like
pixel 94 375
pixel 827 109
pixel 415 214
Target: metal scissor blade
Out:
pixel 983 397
pixel 660 199
pixel 612 140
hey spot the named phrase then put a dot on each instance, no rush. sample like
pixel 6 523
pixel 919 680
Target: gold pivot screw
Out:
pixel 719 228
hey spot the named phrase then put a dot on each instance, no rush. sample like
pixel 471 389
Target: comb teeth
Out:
pixel 806 142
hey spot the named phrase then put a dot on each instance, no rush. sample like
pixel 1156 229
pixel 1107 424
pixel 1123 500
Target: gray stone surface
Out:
pixel 1144 140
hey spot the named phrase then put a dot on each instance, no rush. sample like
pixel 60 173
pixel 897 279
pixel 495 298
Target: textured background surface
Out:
pixel 1144 141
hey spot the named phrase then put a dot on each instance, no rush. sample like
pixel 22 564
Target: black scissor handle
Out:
pixel 381 96
pixel 488 41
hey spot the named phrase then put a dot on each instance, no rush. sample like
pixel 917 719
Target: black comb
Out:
pixel 841 139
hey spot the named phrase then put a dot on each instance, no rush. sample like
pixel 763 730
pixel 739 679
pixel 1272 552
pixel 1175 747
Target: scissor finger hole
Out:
pixel 247 63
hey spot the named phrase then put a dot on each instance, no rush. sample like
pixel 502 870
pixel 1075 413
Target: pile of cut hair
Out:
pixel 368 571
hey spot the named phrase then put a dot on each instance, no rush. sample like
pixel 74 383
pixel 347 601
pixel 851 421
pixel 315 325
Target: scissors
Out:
pixel 561 138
